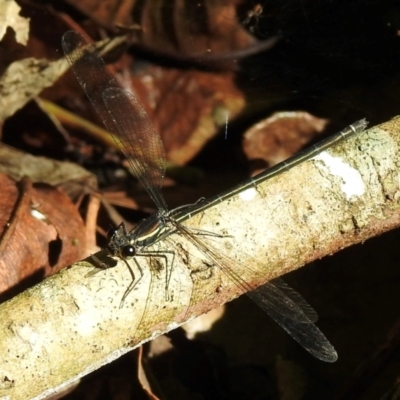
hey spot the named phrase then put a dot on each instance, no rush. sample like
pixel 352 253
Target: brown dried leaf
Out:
pixel 181 29
pixel 106 13
pixel 121 199
pixel 142 376
pixel 280 136
pixel 194 28
pixel 42 231
pixel 74 180
pixel 186 107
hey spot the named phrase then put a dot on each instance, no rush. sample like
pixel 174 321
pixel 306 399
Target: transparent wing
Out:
pixel 137 137
pixel 289 310
pixel 306 334
pixel 270 295
pixel 129 125
pixel 296 298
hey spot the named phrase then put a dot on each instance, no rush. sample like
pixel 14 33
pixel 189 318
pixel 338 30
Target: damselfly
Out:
pixel 132 129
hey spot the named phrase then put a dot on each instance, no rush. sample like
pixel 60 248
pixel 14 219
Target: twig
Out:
pixel 70 325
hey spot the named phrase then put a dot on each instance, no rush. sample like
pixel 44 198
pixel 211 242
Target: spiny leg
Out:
pixel 134 282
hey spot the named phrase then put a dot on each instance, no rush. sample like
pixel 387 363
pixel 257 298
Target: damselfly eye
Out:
pixel 128 251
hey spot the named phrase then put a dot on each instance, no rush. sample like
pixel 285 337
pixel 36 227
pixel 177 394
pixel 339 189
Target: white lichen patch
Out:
pixel 85 324
pixel 248 194
pixel 352 182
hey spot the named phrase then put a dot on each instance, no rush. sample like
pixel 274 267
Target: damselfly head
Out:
pixel 128 251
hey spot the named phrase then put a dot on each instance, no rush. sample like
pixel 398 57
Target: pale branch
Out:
pixel 70 324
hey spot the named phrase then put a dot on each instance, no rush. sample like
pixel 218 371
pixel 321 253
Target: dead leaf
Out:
pixel 186 107
pixel 106 13
pixel 18 164
pixel 207 33
pixel 194 28
pixel 23 80
pixel 42 231
pixel 142 376
pixel 74 180
pixel 9 17
pixel 278 137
